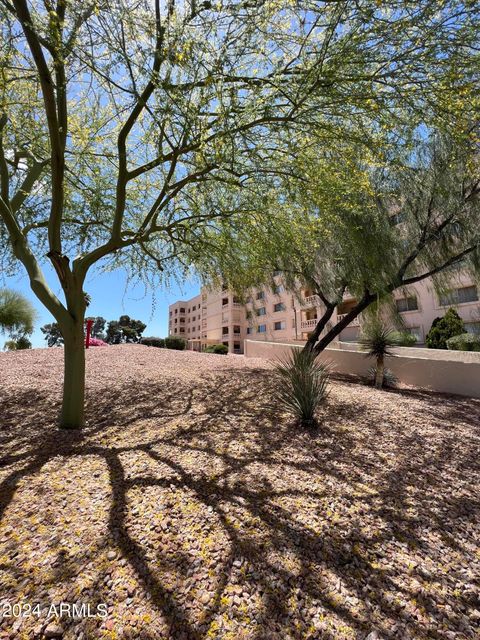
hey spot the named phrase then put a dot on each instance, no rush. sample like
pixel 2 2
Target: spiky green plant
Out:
pixel 301 385
pixel 377 340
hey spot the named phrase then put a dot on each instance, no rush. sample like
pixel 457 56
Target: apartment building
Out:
pixel 273 314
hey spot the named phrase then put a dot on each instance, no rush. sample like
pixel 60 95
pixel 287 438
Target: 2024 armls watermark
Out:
pixel 74 610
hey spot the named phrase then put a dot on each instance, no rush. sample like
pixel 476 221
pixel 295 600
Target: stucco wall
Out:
pixel 435 374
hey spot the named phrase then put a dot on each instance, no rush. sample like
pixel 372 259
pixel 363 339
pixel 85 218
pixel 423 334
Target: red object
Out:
pixel 89 329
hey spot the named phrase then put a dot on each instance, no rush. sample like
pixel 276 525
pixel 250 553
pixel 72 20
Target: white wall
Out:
pixel 435 374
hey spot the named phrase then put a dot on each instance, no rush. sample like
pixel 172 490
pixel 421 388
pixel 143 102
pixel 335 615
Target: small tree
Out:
pixel 443 328
pixel 52 334
pixel 377 340
pixel 16 314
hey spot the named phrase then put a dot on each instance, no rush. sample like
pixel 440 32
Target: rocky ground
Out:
pixel 191 507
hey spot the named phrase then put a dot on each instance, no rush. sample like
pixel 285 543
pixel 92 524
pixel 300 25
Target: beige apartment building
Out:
pixel 273 314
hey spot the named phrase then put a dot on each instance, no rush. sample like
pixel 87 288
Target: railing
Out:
pixel 354 323
pixel 311 301
pixel 309 324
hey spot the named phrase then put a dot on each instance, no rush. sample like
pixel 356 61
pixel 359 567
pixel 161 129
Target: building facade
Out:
pixel 273 314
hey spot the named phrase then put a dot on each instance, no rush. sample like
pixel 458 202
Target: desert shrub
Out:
pixel 389 378
pixel 175 342
pixel 464 342
pixel 377 339
pixel 18 344
pixel 403 338
pixel 153 342
pixel 442 329
pixel 301 385
pixel 221 349
pixel 96 342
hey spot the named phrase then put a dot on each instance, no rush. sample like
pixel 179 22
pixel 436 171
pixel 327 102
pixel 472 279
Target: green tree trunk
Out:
pixel 73 404
pixel 380 372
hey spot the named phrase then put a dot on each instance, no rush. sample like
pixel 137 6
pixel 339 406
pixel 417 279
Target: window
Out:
pixel 194 308
pixel 225 331
pixel 459 296
pixel 279 289
pixel 249 330
pixel 236 328
pixel 416 332
pixel 182 309
pixel 472 327
pixel 407 304
pixel 260 295
pixel 280 325
pixel 262 328
pixel 176 310
pixel 279 307
pixel 224 302
pixel 170 313
pixel 261 312
pixel 398 218
pixel 182 330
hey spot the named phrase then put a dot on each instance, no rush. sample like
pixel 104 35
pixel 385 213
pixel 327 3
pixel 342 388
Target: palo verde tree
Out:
pixel 114 114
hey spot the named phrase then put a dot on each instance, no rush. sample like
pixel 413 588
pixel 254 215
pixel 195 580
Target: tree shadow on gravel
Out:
pixel 324 537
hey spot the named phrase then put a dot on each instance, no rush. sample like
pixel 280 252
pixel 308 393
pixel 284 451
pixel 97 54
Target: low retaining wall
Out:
pixel 435 374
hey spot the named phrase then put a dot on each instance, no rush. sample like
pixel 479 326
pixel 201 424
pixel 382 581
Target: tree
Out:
pixel 442 329
pixel 16 313
pixel 124 330
pixel 370 222
pixel 98 327
pixel 115 116
pixel 19 344
pixel 53 334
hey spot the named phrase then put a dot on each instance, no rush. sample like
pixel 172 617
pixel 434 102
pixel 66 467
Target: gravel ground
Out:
pixel 192 508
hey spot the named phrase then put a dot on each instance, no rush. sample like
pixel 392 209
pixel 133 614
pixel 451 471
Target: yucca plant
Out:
pixel 377 340
pixel 301 385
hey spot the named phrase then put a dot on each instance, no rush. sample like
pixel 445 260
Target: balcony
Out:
pixel 354 323
pixel 311 301
pixel 309 324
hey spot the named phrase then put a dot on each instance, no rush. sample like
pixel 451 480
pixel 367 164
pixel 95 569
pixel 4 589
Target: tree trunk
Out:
pixel 380 372
pixel 73 404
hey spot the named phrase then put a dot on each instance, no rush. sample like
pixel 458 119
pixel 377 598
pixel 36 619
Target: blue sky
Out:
pixel 110 299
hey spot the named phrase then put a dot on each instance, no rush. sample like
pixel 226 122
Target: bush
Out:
pixel 301 385
pixel 221 349
pixel 175 342
pixel 96 342
pixel 444 328
pixel 377 340
pixel 464 342
pixel 403 338
pixel 153 342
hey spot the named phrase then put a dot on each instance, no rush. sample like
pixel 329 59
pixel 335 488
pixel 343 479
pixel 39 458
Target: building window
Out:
pixel 459 296
pixel 249 330
pixel 176 310
pixel 236 328
pixel 170 313
pixel 280 325
pixel 261 312
pixel 262 328
pixel 224 302
pixel 407 304
pixel 182 309
pixel 279 289
pixel 398 218
pixel 260 295
pixel 279 307
pixel 194 308
pixel 182 330
pixel 472 327
pixel 416 332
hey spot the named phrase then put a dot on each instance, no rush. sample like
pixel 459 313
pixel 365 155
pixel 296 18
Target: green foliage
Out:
pixel 464 342
pixel 403 338
pixel 124 330
pixel 98 327
pixel 443 328
pixel 16 313
pixel 221 349
pixel 53 334
pixel 301 384
pixel 153 342
pixel 174 342
pixel 377 339
pixel 19 344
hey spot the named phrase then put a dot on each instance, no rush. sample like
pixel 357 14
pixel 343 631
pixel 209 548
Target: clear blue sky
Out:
pixel 110 299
